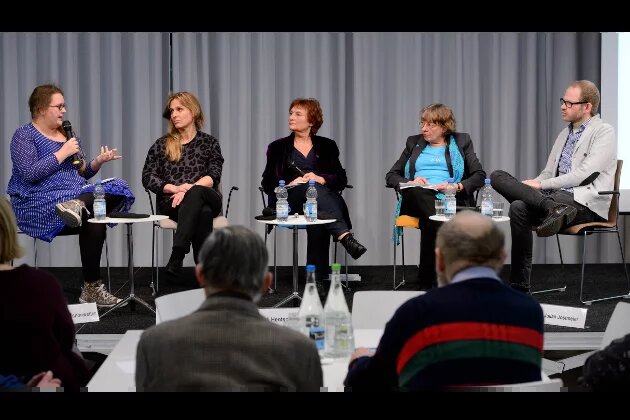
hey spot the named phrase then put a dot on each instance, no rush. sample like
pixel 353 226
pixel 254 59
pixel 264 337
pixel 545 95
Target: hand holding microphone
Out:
pixel 71 142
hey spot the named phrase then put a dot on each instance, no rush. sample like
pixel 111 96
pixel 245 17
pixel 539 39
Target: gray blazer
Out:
pixel 226 345
pixel 596 151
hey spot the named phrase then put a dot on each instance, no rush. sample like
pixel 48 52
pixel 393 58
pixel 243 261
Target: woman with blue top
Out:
pixel 49 188
pixel 430 158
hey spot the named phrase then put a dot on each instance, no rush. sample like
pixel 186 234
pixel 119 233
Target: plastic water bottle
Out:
pixel 339 336
pixel 450 202
pixel 282 205
pixel 99 206
pixel 487 204
pixel 310 208
pixel 311 312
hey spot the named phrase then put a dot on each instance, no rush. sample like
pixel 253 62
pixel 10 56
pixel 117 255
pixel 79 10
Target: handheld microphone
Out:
pixel 291 164
pixel 67 127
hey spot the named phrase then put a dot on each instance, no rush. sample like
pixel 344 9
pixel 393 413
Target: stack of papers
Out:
pixel 410 184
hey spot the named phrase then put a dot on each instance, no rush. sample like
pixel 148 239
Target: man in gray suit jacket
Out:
pixel 582 162
pixel 226 345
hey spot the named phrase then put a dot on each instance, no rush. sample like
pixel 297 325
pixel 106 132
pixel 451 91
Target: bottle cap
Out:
pixel 311 182
pixel 487 181
pixel 281 182
pixel 98 181
pixel 450 180
pixel 310 268
pixel 336 267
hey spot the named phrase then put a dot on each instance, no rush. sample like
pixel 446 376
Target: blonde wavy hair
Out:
pixel 9 247
pixel 173 138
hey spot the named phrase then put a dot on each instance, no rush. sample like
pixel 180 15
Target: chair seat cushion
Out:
pixel 219 222
pixel 168 224
pixel 408 221
pixel 575 229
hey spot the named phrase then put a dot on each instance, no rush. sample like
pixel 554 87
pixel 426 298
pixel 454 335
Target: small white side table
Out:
pixel 295 221
pixel 130 222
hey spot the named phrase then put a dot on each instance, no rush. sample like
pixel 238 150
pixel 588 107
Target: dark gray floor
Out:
pixel 602 279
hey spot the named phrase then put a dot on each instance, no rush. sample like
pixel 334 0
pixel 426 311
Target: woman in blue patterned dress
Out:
pixel 49 192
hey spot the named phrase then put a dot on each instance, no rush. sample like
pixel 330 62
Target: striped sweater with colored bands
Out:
pixel 474 332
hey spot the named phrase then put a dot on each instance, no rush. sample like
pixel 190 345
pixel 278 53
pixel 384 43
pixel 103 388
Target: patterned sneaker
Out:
pixel 70 212
pixel 95 292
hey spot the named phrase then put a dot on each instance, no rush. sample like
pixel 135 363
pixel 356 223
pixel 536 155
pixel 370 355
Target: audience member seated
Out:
pixel 471 330
pixel 41 380
pixel 609 368
pixel 35 324
pixel 227 345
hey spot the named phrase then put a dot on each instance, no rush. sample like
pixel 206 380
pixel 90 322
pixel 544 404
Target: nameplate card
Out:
pixel 278 315
pixel 83 312
pixel 564 316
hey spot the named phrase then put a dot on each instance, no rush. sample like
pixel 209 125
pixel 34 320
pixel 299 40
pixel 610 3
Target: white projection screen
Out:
pixel 615 107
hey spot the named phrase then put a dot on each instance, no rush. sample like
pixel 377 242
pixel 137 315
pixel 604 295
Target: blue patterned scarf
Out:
pixel 457 161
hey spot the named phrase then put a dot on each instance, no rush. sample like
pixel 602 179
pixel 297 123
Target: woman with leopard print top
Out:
pixel 183 168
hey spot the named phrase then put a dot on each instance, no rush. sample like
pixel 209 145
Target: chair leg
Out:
pixel 35 250
pixel 623 259
pixel 556 289
pixel 402 243
pixel 109 276
pixel 275 266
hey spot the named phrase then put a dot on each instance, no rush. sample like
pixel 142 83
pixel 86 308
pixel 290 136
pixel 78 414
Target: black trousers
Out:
pixel 92 236
pixel 420 203
pixel 528 208
pixel 194 217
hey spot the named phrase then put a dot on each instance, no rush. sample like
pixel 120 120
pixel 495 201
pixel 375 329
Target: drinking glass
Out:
pixel 439 207
pixel 497 210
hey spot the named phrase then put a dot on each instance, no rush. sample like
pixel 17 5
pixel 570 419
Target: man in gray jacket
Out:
pixel 582 162
pixel 226 345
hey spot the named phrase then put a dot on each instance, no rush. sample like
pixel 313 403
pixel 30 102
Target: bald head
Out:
pixel 469 239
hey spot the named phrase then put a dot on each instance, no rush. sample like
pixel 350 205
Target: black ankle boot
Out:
pixel 354 248
pixel 175 262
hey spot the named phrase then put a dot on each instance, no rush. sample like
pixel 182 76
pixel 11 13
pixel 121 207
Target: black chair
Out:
pixel 167 224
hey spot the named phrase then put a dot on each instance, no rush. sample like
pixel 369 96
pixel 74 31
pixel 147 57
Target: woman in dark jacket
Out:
pixel 431 158
pixel 304 156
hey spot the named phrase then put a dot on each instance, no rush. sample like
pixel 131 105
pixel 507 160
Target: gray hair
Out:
pixel 234 258
pixel 471 239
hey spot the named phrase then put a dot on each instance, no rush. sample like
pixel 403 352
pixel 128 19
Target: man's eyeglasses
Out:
pixel 569 104
pixel 60 106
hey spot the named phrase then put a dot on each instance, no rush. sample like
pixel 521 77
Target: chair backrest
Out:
pixel 618 324
pixel 373 308
pixel 613 211
pixel 544 385
pixel 177 305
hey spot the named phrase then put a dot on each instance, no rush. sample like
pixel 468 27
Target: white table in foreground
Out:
pixel 118 371
pixel 441 218
pixel 295 222
pixel 132 298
